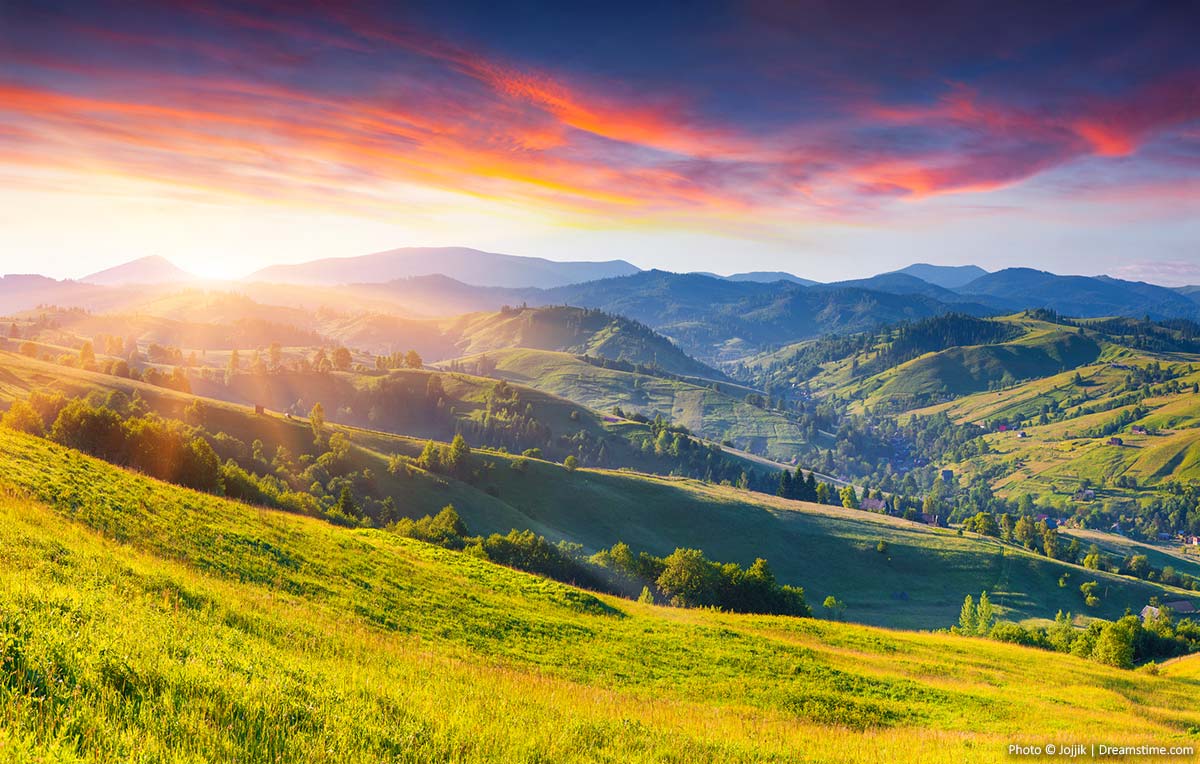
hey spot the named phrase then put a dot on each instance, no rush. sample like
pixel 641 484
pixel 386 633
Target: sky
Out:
pixel 829 139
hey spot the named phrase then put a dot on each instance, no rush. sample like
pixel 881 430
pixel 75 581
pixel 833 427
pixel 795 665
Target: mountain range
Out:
pixel 714 318
pixel 469 266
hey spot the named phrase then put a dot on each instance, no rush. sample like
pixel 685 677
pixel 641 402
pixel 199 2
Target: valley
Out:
pixel 880 472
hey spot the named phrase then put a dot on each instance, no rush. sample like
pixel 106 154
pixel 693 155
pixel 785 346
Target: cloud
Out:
pixel 335 105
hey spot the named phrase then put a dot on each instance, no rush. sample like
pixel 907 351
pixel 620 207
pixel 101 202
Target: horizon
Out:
pixel 819 141
pixel 201 278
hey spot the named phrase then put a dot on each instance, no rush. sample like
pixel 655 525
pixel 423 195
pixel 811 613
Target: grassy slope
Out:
pixel 1054 459
pixel 577 331
pixel 919 583
pixel 145 622
pixel 1043 350
pixel 715 415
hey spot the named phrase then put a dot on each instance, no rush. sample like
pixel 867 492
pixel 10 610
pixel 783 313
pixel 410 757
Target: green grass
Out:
pixel 918 583
pixel 716 415
pixel 142 622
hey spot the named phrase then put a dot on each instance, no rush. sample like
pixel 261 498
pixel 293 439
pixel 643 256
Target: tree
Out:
pixel 316 419
pixel 87 355
pixel 822 493
pixel 688 579
pixel 646 597
pixel 1139 565
pixel 1024 532
pixel 785 484
pixel 984 523
pixel 985 615
pixel 235 362
pixel 1062 633
pixel 342 359
pixel 968 618
pixel 430 458
pixel 276 354
pixel 458 458
pixel 849 497
pixel 413 360
pixel 200 467
pixel 1006 527
pixel 1088 590
pixel 834 606
pixel 13 332
pixel 1114 646
pixel 346 504
pixel 571 463
pixel 29 349
pixel 21 417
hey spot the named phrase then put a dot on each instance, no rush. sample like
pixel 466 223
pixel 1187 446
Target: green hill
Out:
pixel 577 331
pixel 139 621
pixel 965 370
pixel 717 411
pixel 918 582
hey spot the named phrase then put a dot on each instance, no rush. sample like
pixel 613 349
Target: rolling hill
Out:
pixel 717 412
pixel 918 583
pixel 578 331
pixel 264 637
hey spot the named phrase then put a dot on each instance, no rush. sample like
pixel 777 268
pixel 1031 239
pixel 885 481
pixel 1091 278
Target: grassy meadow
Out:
pixel 144 622
pixel 715 414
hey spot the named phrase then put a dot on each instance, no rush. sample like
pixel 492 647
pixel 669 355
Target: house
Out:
pixel 1191 540
pixel 947 476
pixel 1149 613
pixel 1164 537
pixel 873 505
pixel 1085 494
pixel 931 519
pixel 1048 520
pixel 1022 434
pixel 1115 441
pixel 1180 607
pixel 258 409
pixel 1138 429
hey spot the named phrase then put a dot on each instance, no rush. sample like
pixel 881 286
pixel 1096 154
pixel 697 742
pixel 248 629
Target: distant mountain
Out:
pixel 711 318
pixel 21 292
pixel 715 319
pixel 144 270
pixel 1192 292
pixel 469 266
pixel 767 277
pixel 948 276
pixel 1083 296
pixel 900 283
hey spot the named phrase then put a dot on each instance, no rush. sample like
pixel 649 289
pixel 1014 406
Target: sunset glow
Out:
pixel 396 127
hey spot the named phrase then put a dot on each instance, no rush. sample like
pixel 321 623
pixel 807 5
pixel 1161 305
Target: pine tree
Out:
pixel 968 617
pixel 346 503
pixel 785 484
pixel 985 615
